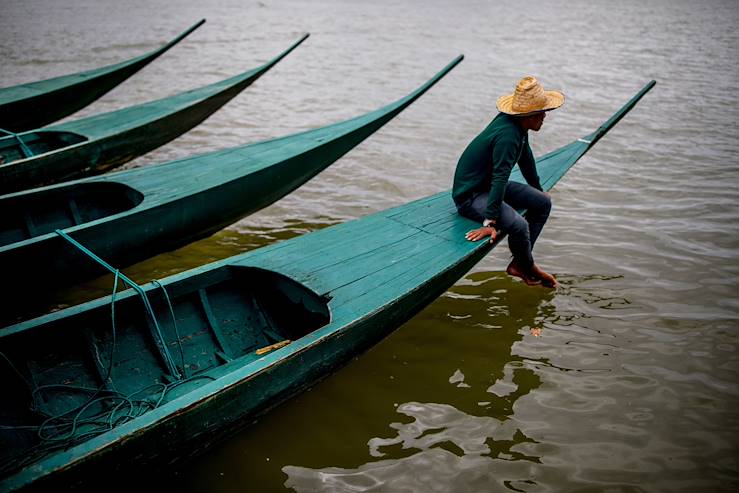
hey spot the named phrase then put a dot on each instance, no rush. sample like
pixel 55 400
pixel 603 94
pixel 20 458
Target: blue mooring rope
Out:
pixel 81 422
pixel 171 366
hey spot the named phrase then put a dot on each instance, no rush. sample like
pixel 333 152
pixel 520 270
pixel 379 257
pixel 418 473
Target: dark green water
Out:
pixel 629 380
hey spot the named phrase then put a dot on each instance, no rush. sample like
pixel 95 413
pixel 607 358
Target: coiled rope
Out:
pixel 82 422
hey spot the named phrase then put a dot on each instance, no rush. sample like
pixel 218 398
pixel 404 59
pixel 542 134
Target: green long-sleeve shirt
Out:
pixel 487 162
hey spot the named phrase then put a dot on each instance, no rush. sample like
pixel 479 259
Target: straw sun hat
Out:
pixel 528 98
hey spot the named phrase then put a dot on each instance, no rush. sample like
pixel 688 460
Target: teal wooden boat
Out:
pixel 35 104
pixel 96 144
pixel 109 385
pixel 131 215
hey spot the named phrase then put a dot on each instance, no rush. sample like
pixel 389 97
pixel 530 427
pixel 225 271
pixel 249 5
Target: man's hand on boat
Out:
pixel 480 233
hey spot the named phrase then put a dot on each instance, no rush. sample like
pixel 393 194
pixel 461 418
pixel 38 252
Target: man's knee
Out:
pixel 474 207
pixel 542 206
pixel 465 210
pixel 518 228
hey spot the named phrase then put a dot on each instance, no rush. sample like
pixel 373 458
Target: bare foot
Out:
pixel 547 279
pixel 515 271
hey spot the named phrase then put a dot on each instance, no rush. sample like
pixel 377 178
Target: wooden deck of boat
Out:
pixel 365 263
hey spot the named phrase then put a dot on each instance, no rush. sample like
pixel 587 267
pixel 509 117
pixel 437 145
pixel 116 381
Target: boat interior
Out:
pixel 22 146
pixel 80 375
pixel 40 212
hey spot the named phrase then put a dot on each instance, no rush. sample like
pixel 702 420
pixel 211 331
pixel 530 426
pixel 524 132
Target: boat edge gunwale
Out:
pixel 160 416
pixel 162 116
pixel 146 203
pixel 104 70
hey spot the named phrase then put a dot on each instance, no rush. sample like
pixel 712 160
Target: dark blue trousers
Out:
pixel 522 232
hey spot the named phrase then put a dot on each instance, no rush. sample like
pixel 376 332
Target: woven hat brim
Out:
pixel 555 99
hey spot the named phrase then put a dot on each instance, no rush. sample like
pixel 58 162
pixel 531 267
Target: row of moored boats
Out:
pixel 153 371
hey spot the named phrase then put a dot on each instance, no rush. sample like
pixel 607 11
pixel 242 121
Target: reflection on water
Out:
pixel 493 410
pixel 462 436
pixel 455 361
pixel 437 450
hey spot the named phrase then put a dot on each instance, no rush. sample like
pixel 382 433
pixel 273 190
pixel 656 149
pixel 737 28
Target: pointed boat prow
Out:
pixel 98 143
pixel 401 104
pixel 282 55
pixel 554 165
pixel 35 104
pixel 611 122
pixel 176 40
pixel 237 181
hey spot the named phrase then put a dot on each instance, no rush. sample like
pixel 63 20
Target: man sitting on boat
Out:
pixel 482 190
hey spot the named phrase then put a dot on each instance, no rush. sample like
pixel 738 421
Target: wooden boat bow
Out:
pixel 101 142
pixel 34 104
pixel 131 215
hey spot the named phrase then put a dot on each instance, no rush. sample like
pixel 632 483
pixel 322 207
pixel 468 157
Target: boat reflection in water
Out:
pixel 459 434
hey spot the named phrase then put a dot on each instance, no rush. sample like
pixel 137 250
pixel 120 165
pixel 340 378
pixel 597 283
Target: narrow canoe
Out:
pixel 250 332
pixel 35 104
pixel 131 215
pixel 96 144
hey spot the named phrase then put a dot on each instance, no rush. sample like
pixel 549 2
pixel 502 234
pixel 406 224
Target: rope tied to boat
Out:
pixel 159 337
pixel 174 324
pixel 26 150
pixel 84 421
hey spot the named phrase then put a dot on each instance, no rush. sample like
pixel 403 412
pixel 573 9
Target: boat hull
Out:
pixel 194 429
pixel 112 139
pixel 180 202
pixel 162 228
pixel 36 104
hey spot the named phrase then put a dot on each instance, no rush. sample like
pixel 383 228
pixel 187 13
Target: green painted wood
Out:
pixel 34 104
pixel 98 143
pixel 332 293
pixel 135 214
pixel 213 322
